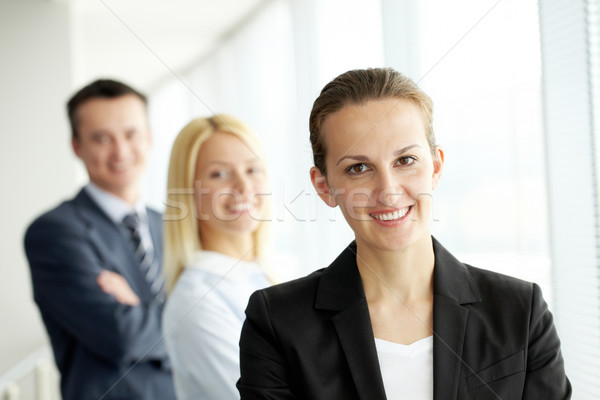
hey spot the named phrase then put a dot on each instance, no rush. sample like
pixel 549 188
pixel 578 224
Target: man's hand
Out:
pixel 113 283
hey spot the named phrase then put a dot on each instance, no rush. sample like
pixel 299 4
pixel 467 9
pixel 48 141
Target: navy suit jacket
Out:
pixel 312 338
pixel 102 348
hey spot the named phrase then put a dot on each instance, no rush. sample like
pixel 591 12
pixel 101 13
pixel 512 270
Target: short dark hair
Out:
pixel 101 88
pixel 358 87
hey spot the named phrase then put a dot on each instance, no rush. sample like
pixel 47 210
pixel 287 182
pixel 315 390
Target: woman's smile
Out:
pixel 381 171
pixel 391 217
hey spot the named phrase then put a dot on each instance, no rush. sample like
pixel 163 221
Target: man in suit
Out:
pixel 96 259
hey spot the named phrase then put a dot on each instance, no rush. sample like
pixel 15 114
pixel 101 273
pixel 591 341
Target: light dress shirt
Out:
pixel 117 208
pixel 202 322
pixel 407 370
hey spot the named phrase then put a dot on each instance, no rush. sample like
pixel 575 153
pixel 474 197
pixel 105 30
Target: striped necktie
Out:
pixel 148 263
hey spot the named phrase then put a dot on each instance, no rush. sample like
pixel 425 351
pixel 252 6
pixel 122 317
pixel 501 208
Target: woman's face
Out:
pixel 230 186
pixel 380 171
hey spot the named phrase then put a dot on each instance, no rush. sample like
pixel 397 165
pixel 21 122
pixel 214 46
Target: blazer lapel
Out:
pixel 340 289
pixel 449 324
pixel 156 231
pixel 112 246
pixel 453 287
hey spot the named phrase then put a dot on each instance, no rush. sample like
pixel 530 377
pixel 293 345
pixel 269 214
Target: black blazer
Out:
pixel 101 347
pixel 312 338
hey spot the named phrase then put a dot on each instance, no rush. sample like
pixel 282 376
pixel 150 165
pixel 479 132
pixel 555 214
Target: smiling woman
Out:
pixel 213 251
pixel 381 183
pixel 230 178
pixel 395 315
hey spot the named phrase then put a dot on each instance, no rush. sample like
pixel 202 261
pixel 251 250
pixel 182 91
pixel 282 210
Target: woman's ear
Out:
pixel 438 166
pixel 322 188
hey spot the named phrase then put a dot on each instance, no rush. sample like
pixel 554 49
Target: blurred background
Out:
pixel 516 89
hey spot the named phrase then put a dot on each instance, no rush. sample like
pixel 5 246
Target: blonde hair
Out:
pixel 181 234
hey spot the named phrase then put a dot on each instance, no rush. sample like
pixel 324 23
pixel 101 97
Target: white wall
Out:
pixel 37 167
pixel 267 72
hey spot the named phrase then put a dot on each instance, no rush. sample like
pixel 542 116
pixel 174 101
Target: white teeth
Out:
pixel 391 216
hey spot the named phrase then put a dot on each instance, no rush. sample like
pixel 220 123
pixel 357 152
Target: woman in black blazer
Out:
pixel 395 315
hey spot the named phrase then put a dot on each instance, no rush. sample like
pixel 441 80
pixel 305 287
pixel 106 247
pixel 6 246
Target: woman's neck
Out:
pixel 240 246
pixel 405 275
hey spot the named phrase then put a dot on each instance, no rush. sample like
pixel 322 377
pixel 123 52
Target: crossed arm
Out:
pixel 114 284
pixel 96 307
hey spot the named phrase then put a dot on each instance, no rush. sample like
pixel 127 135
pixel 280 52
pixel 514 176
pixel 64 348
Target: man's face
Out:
pixel 113 142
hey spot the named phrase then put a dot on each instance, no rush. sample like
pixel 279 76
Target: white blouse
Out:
pixel 407 370
pixel 202 321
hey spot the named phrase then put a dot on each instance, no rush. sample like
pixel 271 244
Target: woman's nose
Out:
pixel 242 183
pixel 389 189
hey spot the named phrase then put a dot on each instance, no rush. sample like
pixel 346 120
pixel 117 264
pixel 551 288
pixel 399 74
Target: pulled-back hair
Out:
pixel 356 87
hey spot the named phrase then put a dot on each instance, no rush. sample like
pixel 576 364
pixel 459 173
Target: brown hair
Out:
pixel 99 89
pixel 357 87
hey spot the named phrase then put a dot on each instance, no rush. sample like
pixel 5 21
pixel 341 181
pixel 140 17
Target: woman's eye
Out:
pixel 357 169
pixel 407 160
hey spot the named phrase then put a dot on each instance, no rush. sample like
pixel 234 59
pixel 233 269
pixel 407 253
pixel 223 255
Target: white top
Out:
pixel 202 322
pixel 407 370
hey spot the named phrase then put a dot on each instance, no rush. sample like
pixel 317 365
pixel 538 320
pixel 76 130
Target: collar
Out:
pixel 451 278
pixel 340 285
pixel 223 265
pixel 113 206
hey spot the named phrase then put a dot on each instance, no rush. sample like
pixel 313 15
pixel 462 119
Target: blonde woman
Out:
pixel 214 228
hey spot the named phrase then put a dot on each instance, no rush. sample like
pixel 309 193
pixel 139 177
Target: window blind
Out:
pixel 569 40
